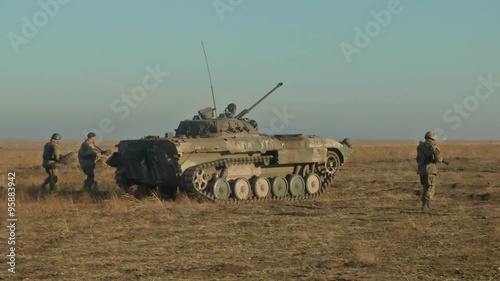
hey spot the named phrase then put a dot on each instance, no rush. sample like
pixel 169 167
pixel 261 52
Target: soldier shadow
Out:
pixel 78 195
pixel 35 193
pixel 427 213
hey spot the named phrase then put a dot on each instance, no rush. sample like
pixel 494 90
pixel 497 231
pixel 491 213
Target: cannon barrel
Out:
pixel 246 111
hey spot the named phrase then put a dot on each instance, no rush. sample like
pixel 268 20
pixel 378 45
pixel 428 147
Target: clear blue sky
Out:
pixel 65 67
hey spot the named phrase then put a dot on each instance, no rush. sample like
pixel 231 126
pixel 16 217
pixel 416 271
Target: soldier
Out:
pixel 428 155
pixel 88 155
pixel 50 157
pixel 230 110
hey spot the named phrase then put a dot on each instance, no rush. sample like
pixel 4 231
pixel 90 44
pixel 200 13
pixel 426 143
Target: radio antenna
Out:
pixel 210 78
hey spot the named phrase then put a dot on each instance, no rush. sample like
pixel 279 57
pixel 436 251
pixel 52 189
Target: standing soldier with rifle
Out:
pixel 50 157
pixel 88 154
pixel 428 155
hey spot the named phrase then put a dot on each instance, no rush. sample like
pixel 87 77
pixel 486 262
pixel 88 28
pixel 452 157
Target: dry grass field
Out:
pixel 368 226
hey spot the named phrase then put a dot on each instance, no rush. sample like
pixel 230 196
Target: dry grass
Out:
pixel 367 227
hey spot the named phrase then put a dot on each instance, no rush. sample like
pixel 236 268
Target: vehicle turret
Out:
pixel 228 123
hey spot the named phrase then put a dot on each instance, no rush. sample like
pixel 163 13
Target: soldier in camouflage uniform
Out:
pixel 88 155
pixel 428 155
pixel 50 157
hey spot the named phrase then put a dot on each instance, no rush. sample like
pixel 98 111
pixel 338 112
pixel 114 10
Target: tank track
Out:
pixel 206 194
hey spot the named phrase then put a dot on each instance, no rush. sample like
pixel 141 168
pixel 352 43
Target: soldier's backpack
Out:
pixel 424 154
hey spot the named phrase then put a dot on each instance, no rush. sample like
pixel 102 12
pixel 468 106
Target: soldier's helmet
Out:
pixel 347 142
pixel 231 108
pixel 56 136
pixel 430 136
pixel 254 124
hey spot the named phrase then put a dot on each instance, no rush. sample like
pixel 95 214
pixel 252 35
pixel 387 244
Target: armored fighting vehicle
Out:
pixel 225 158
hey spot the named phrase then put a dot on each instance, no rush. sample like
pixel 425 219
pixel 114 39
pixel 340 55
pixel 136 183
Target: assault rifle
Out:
pixel 102 151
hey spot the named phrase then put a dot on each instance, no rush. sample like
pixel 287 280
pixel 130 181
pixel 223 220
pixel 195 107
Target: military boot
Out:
pixel 43 187
pixel 86 187
pixel 428 205
pixel 53 184
pixel 424 204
